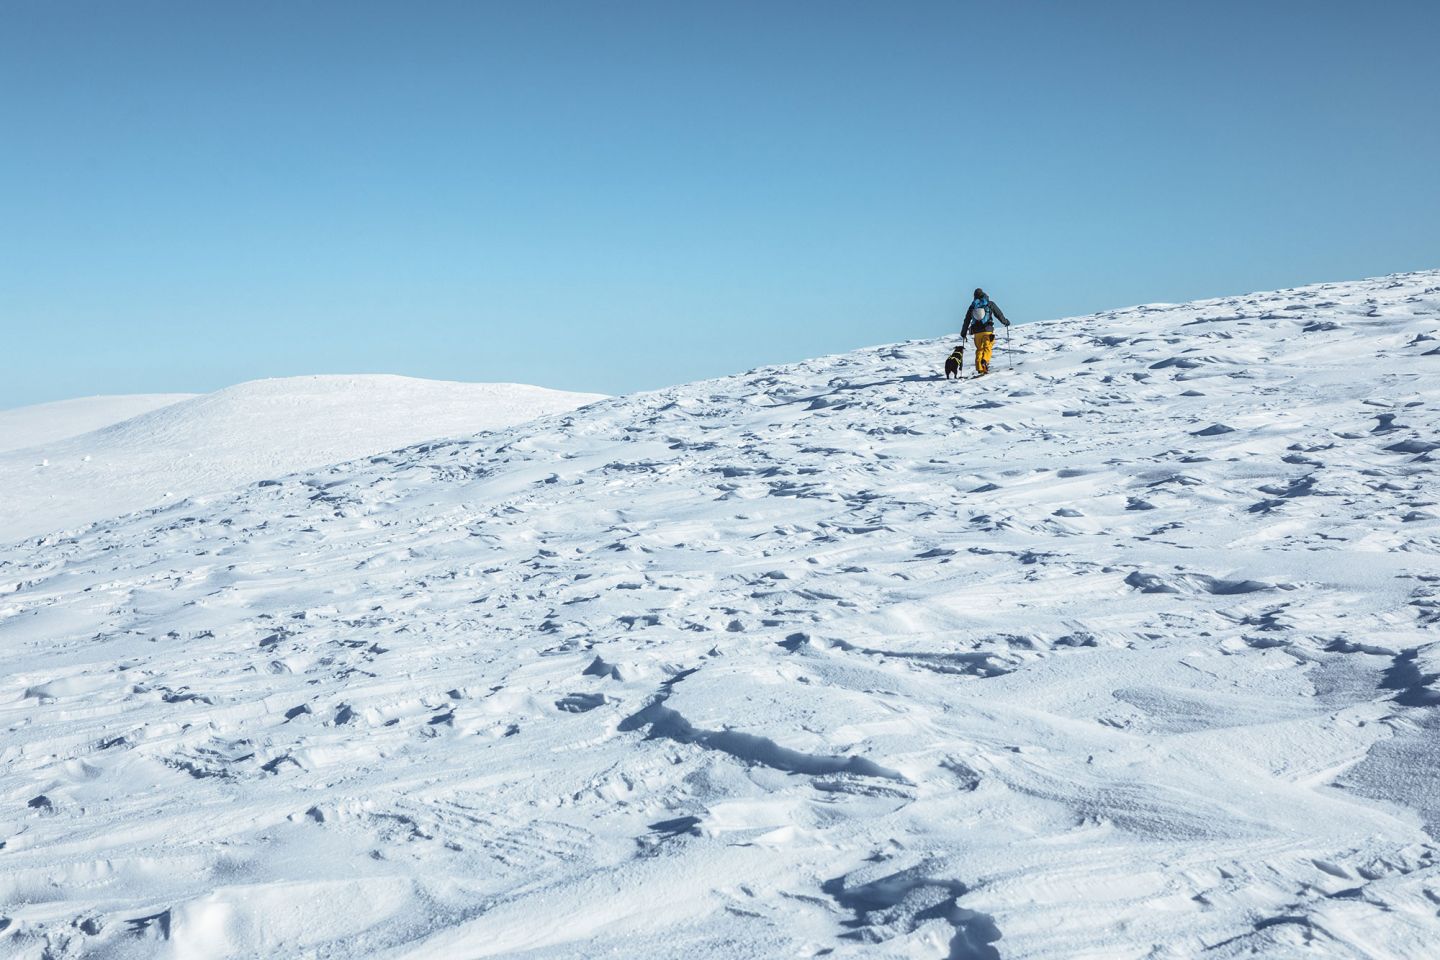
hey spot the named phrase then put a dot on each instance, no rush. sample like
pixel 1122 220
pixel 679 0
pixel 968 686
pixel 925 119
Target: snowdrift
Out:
pixel 44 423
pixel 1130 653
pixel 220 440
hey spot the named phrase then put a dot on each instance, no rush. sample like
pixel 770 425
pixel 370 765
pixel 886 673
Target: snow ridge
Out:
pixel 1130 653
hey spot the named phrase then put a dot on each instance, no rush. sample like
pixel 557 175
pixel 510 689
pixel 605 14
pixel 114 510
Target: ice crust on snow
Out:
pixel 828 658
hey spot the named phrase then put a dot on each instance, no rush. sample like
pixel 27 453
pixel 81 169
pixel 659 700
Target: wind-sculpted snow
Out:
pixel 1131 652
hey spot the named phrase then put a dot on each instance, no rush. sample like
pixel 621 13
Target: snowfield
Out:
pixel 54 479
pixel 1131 652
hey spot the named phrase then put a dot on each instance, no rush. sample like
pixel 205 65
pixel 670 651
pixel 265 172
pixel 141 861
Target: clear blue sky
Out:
pixel 621 195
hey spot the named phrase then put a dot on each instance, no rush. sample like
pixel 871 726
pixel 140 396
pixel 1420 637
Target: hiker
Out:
pixel 981 317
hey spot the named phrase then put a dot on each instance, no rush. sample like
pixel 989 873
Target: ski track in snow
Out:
pixel 1131 652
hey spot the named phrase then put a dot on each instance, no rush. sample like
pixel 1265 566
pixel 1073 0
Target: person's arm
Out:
pixel 965 327
pixel 1000 314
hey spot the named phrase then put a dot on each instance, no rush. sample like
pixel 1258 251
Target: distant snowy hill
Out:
pixel 247 432
pixel 1130 653
pixel 48 422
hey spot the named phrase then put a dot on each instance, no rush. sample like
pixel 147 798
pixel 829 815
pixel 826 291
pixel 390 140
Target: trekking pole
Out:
pixel 1008 352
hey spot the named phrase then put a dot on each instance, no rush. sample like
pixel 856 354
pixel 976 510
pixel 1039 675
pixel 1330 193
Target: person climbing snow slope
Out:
pixel 981 317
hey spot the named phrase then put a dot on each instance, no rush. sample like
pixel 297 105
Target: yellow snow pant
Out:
pixel 984 346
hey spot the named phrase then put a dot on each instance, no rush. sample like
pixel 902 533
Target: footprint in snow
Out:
pixel 580 702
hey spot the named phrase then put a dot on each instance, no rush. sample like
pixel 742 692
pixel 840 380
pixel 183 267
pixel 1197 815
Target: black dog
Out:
pixel 955 362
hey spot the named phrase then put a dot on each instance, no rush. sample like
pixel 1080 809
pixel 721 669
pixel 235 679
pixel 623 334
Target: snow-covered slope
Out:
pixel 43 423
pixel 1131 652
pixel 243 433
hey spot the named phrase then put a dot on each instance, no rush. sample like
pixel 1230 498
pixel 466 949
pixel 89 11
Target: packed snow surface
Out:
pixel 48 422
pixel 1131 652
pixel 220 440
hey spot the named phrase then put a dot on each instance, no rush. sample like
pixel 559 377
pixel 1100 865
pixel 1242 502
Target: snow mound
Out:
pixel 248 432
pixel 44 423
pixel 834 658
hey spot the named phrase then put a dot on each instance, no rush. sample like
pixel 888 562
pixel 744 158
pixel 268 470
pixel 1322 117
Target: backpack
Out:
pixel 980 312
